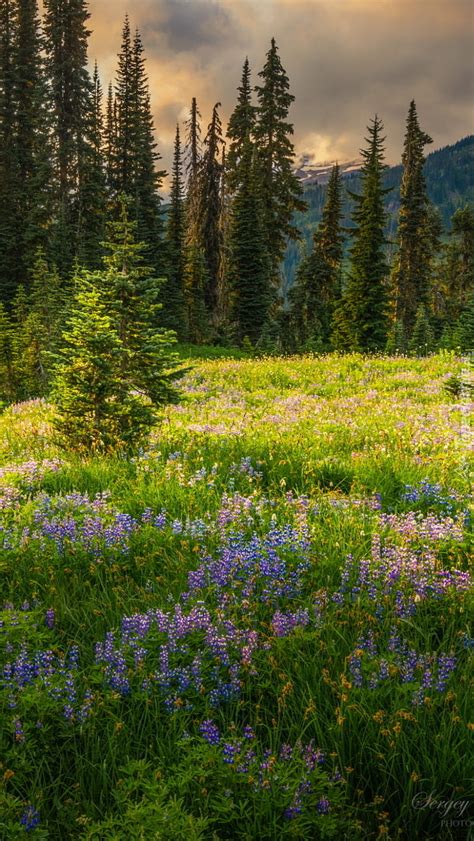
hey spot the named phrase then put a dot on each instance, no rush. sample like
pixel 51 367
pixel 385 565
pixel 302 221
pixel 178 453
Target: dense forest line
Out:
pixel 449 176
pixel 80 182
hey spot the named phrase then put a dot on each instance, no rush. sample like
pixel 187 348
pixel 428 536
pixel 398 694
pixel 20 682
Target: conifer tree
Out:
pixel 281 189
pixel 397 342
pixel 240 128
pixel 65 25
pixel 36 328
pixel 7 377
pixel 135 155
pixel 147 178
pixel 361 318
pixel 90 396
pixel 110 142
pixel 318 282
pixel 210 210
pixel 49 301
pixel 117 368
pixel 92 180
pixel 466 326
pixel 32 139
pixel 193 144
pixel 223 330
pixel 195 274
pixel 9 222
pixel 249 261
pixel 422 338
pixel 125 119
pixel 174 308
pixel 411 277
pixel 457 271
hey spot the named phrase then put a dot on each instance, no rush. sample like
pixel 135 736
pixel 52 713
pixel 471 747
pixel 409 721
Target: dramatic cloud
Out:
pixel 346 59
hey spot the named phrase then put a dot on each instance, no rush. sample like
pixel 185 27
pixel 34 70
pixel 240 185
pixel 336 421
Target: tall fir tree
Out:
pixel 92 173
pixel 148 179
pixel 135 156
pixel 249 260
pixel 240 128
pixel 65 24
pixel 458 269
pixel 125 118
pixel 193 145
pixel 223 331
pixel 318 282
pixel 361 320
pixel 174 307
pixel 195 275
pixel 32 139
pixel 210 210
pixel 412 270
pixel 281 189
pixel 9 221
pixel 110 142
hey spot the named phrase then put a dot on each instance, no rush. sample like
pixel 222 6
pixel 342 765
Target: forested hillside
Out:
pixel 449 175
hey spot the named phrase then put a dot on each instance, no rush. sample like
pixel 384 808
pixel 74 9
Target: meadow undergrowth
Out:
pixel 258 628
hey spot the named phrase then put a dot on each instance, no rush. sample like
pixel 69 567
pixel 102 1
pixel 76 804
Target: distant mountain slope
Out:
pixel 450 182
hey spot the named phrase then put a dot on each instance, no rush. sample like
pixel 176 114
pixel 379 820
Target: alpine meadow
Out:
pixel 236 392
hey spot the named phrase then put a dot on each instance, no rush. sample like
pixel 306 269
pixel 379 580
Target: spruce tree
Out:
pixel 174 308
pixel 210 210
pixel 124 118
pixel 135 155
pixel 318 282
pixel 422 338
pixel 361 320
pixel 223 330
pixel 7 376
pixel 411 276
pixel 134 294
pixel 240 128
pixel 90 396
pixel 193 144
pixel 117 369
pixel 466 326
pixel 92 183
pixel 9 221
pixel 32 138
pixel 281 189
pixel 65 25
pixel 110 142
pixel 195 274
pixel 36 322
pixel 457 271
pixel 249 261
pixel 147 178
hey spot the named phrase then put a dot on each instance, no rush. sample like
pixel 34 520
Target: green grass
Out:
pixel 315 445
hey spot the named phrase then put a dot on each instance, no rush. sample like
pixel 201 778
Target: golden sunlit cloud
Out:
pixel 346 59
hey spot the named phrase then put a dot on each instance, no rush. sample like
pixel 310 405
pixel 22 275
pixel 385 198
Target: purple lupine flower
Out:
pixel 30 819
pixel 50 618
pixel 210 732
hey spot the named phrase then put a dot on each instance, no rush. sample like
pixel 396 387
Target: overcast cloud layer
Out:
pixel 346 60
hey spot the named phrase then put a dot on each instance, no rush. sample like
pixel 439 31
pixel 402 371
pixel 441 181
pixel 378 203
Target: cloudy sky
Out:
pixel 346 59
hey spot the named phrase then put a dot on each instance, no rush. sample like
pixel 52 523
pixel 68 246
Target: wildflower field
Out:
pixel 256 629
